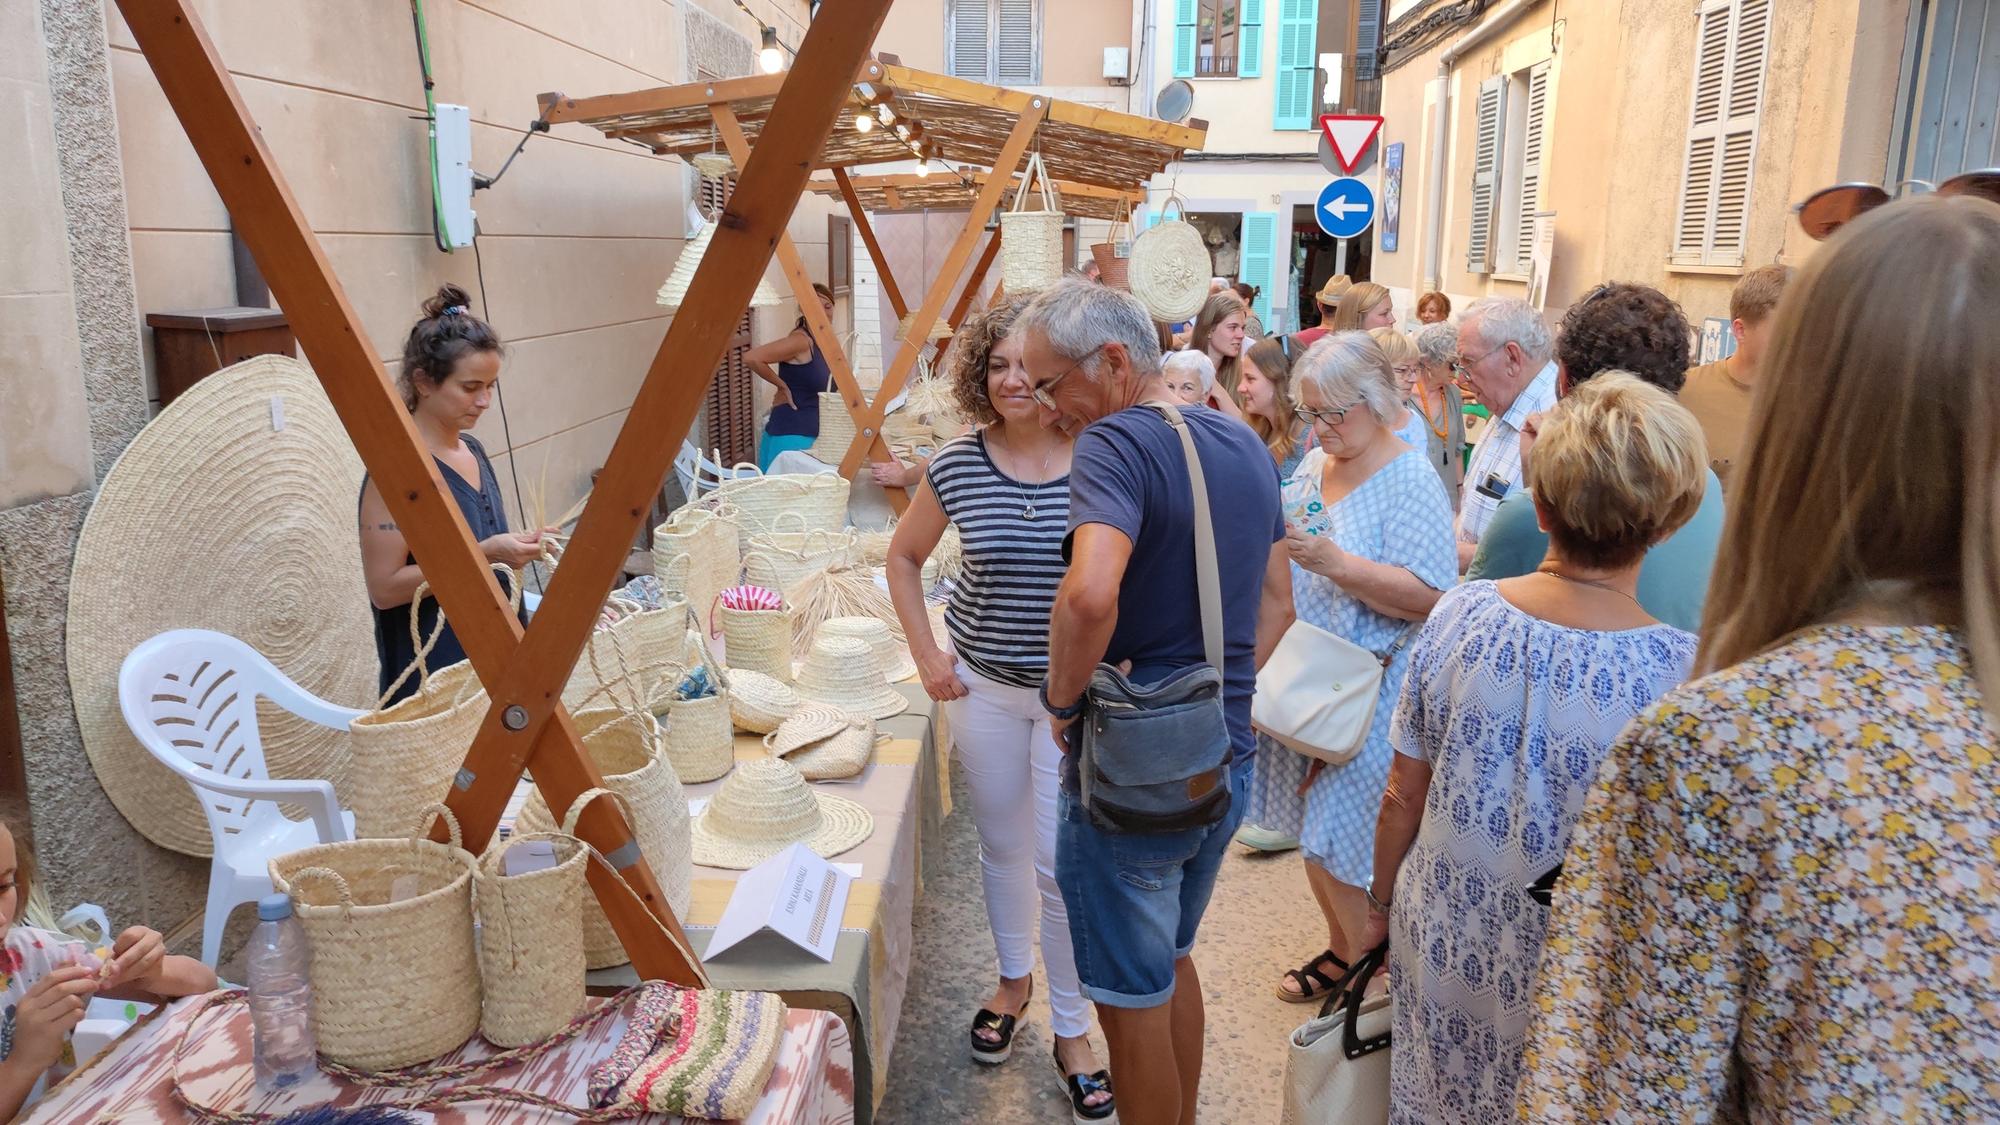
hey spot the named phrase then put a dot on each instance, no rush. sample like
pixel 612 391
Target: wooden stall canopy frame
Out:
pixel 1098 159
pixel 524 674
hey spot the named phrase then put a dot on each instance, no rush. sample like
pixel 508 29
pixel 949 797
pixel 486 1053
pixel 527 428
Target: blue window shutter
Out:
pixel 1368 41
pixel 1298 59
pixel 1259 263
pixel 1184 36
pixel 1250 39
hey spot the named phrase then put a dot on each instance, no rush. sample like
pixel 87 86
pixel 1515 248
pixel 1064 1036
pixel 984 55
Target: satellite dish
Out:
pixel 1175 101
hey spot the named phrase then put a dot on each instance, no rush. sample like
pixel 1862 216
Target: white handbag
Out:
pixel 1337 1063
pixel 1317 693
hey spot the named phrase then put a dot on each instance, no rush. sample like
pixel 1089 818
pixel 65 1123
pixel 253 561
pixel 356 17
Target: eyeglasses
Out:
pixel 1045 394
pixel 1462 365
pixel 1829 209
pixel 1331 417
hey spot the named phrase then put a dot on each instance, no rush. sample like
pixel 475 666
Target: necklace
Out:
pixel 1443 423
pixel 1027 496
pixel 1605 586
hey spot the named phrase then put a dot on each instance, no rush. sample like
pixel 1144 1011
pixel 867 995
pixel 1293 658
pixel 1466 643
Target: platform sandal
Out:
pixel 1080 1087
pixel 1313 981
pixel 1001 1049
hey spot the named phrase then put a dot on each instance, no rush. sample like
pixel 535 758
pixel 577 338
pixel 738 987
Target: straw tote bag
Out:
pixel 701 737
pixel 820 499
pixel 696 553
pixel 1337 1063
pixel 404 756
pixel 1113 256
pixel 1318 691
pixel 530 935
pixel 1031 241
pixel 625 745
pixel 779 559
pixel 836 429
pixel 394 978
pixel 1169 267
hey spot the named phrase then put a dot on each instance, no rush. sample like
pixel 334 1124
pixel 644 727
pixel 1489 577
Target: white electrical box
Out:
pixel 451 147
pixel 1118 63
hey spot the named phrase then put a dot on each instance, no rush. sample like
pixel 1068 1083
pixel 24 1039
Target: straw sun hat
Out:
pixel 845 672
pixel 764 807
pixel 889 652
pixel 825 743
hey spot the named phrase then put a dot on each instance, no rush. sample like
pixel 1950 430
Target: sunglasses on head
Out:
pixel 1829 209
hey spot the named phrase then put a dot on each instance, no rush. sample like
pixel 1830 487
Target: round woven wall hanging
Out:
pixel 234 511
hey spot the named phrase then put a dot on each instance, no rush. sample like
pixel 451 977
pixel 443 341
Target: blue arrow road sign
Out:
pixel 1346 207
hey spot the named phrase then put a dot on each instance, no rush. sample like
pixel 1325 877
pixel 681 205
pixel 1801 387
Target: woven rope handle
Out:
pixel 777 523
pixel 770 561
pixel 422 829
pixel 1037 174
pixel 327 873
pixel 421 664
pixel 583 801
pixel 708 659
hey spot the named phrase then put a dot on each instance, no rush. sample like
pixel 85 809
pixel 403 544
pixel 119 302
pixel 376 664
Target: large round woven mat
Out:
pixel 1169 270
pixel 233 511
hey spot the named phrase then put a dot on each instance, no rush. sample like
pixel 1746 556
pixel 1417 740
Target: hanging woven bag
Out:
pixel 1031 242
pixel 1113 255
pixel 1169 268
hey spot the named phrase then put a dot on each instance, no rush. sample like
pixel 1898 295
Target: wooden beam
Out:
pixel 660 99
pixel 875 254
pixel 868 424
pixel 972 283
pixel 205 98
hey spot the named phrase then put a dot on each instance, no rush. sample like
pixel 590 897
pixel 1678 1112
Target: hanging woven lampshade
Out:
pixel 940 328
pixel 675 290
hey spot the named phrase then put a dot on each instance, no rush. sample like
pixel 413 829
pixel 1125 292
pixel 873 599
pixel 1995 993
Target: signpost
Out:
pixel 1345 208
pixel 1350 134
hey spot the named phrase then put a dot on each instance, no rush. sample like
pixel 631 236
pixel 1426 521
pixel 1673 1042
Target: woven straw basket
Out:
pixel 1170 267
pixel 531 937
pixel 758 640
pixel 1031 241
pixel 623 746
pixel 394 977
pixel 651 641
pixel 696 553
pixel 780 559
pixel 1114 256
pixel 757 702
pixel 701 738
pixel 820 499
pixel 836 429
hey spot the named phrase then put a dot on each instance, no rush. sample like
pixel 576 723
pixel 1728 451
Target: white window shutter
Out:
pixel 1185 13
pixel 970 50
pixel 1017 46
pixel 1534 128
pixel 1732 44
pixel 1486 172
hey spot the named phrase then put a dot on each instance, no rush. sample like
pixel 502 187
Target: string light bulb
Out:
pixel 770 58
pixel 863 123
pixel 923 169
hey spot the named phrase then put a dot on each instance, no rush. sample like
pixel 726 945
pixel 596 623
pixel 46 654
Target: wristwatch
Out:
pixel 1375 904
pixel 1069 712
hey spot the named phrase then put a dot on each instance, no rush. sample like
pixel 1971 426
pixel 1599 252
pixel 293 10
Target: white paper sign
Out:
pixel 794 893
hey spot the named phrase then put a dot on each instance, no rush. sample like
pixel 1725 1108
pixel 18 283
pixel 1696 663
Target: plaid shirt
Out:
pixel 1496 460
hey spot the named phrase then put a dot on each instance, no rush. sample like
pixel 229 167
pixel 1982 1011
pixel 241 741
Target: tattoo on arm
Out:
pixel 385 527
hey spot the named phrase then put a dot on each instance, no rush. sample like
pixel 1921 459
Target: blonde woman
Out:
pixel 1266 387
pixel 1219 333
pixel 1405 363
pixel 1778 904
pixel 1367 306
pixel 1516 689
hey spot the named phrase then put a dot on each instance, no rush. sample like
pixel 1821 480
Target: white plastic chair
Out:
pixel 695 470
pixel 190 697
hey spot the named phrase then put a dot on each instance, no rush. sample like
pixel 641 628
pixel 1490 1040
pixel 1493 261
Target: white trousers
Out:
pixel 1011 765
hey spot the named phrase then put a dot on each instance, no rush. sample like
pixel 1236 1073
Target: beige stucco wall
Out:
pixel 1622 78
pixel 1074 35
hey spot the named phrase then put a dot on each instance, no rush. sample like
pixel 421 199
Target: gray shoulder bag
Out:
pixel 1155 758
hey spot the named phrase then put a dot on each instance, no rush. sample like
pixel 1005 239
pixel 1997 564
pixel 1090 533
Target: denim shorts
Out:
pixel 1135 901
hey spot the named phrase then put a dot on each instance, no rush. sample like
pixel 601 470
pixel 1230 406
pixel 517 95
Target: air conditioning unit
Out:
pixel 1118 65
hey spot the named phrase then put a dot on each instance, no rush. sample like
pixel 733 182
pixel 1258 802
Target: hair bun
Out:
pixel 447 296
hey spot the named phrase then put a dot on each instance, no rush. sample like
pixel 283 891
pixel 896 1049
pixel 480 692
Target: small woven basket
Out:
pixel 757 702
pixel 531 936
pixel 758 640
pixel 394 977
pixel 1031 241
pixel 1114 257
pixel 701 739
pixel 820 499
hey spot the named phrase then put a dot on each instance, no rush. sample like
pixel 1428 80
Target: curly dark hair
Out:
pixel 447 333
pixel 1620 326
pixel 972 349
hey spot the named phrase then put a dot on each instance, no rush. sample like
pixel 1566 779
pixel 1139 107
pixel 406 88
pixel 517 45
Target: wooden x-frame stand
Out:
pixel 526 726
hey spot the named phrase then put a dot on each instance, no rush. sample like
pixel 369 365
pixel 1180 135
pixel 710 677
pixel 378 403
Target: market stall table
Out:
pixel 904 788
pixel 132 1081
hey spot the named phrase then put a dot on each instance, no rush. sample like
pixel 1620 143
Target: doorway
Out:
pixel 1317 256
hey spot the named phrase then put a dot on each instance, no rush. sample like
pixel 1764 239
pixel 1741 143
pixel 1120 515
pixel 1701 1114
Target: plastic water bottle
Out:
pixel 280 997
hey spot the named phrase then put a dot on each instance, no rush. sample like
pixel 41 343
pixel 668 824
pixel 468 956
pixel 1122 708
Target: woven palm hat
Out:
pixel 759 703
pixel 893 656
pixel 845 672
pixel 840 756
pixel 675 290
pixel 813 722
pixel 233 510
pixel 764 807
pixel 836 429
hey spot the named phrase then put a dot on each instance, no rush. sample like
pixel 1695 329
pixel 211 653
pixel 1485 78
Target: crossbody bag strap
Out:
pixel 1208 579
pixel 1402 638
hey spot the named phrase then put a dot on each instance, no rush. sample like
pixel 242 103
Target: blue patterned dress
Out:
pixel 1515 715
pixel 1401 517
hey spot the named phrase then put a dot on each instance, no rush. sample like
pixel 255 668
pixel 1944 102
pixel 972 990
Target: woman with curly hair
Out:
pixel 1005 486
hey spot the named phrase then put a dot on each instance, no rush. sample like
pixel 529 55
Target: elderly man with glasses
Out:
pixel 1506 355
pixel 1130 599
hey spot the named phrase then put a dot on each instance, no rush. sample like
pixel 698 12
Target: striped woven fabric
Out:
pixel 697 1053
pixel 752 597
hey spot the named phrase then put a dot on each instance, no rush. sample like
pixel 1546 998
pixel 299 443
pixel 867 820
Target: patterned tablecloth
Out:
pixel 131 1082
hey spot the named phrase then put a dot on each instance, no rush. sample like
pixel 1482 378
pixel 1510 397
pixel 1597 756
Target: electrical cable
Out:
pixel 500 400
pixel 430 112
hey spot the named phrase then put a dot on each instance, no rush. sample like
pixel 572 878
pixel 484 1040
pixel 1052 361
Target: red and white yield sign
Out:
pixel 1350 134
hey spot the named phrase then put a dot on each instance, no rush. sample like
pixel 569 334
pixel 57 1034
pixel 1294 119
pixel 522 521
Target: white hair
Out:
pixel 1437 343
pixel 1499 321
pixel 1077 317
pixel 1191 362
pixel 1350 367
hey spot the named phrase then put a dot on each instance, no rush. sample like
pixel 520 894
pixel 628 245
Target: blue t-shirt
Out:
pixel 1129 472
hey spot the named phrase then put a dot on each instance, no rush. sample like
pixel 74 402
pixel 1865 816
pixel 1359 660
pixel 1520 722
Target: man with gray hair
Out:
pixel 1506 354
pixel 1136 892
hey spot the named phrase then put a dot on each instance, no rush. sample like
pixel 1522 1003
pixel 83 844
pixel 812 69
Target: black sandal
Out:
pixel 1081 1087
pixel 1313 984
pixel 998 1051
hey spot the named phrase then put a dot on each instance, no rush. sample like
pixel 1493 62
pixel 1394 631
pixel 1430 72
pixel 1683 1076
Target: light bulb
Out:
pixel 923 169
pixel 887 115
pixel 770 58
pixel 863 123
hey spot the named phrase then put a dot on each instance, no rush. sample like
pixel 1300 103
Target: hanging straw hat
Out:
pixel 940 328
pixel 233 510
pixel 845 672
pixel 675 290
pixel 889 652
pixel 836 429
pixel 764 807
pixel 812 722
pixel 842 754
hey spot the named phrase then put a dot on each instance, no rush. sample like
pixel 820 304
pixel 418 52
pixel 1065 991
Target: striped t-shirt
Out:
pixel 998 615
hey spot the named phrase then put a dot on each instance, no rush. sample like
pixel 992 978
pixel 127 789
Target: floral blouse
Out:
pixel 1782 903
